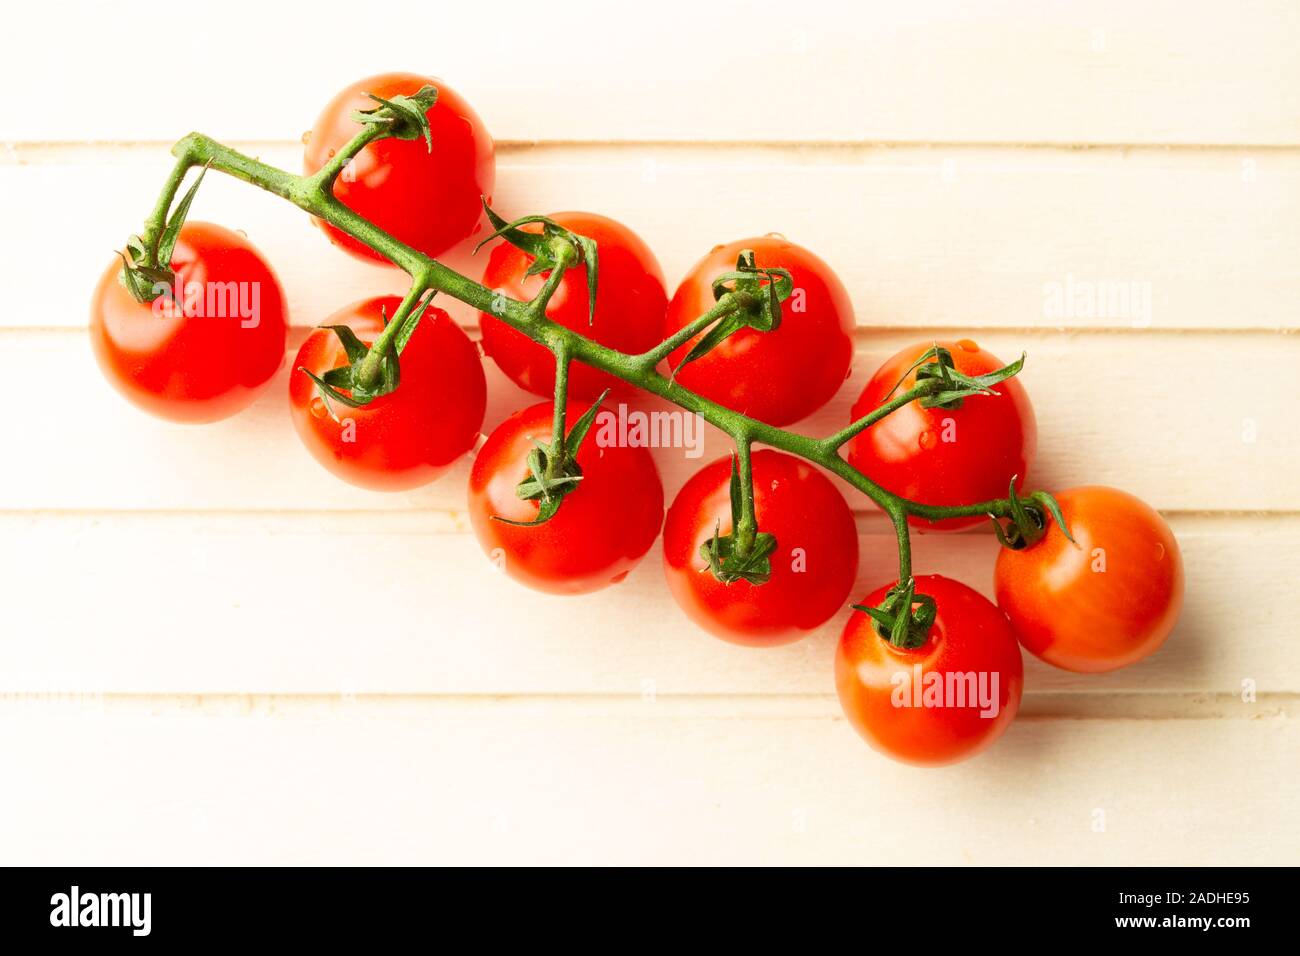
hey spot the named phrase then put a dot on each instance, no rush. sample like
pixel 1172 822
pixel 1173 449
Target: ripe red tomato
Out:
pixel 813 566
pixel 780 376
pixel 630 303
pixel 209 352
pixel 1104 603
pixel 429 199
pixel 943 701
pixel 946 456
pixel 410 436
pixel 604 526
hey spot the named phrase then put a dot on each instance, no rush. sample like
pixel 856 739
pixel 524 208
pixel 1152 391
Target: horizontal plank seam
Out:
pixel 507 146
pixel 1046 705
pixel 863 332
pixel 1197 515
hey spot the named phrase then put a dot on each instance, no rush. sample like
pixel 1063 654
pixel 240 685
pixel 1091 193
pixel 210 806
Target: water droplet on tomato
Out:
pixel 317 406
pixel 966 345
pixel 776 235
pixel 928 439
pixel 1160 551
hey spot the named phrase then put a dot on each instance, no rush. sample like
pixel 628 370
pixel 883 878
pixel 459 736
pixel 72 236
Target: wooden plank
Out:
pixel 561 782
pixel 932 71
pixel 1112 409
pixel 407 603
pixel 970 237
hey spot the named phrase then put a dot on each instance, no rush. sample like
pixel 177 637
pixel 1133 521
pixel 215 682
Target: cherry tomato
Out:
pixel 943 701
pixel 813 567
pixel 1104 603
pixel 604 526
pixel 209 351
pixel 630 303
pixel 410 436
pixel 946 456
pixel 429 199
pixel 780 376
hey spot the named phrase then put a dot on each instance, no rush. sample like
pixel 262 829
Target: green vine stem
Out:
pixel 314 194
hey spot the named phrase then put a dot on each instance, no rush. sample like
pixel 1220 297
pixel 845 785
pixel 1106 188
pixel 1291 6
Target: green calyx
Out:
pixel 402 117
pixel 936 365
pixel 750 295
pixel 372 370
pixel 1027 519
pixel 554 472
pixel 759 292
pixel 903 618
pixel 739 556
pixel 148 274
pixel 555 247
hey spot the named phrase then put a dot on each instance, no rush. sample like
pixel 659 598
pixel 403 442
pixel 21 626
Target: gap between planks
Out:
pixel 34 152
pixel 1046 705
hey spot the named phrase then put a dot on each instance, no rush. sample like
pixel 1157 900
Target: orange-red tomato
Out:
pixel 813 566
pixel 206 350
pixel 429 199
pixel 410 436
pixel 779 376
pixel 630 303
pixel 943 701
pixel 1104 603
pixel 946 456
pixel 604 526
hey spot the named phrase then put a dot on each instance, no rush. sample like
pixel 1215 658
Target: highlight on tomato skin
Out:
pixel 409 437
pixel 779 376
pixel 629 313
pixel 813 567
pixel 946 456
pixel 430 199
pixel 206 349
pixel 604 527
pixel 1107 601
pixel 944 701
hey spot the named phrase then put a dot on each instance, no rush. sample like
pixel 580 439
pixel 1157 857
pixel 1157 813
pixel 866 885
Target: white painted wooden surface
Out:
pixel 183 679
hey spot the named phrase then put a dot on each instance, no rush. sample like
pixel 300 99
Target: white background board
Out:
pixel 184 679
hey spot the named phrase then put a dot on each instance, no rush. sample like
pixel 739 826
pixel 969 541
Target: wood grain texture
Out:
pixel 188 670
pixel 260 603
pixel 1005 71
pixel 1112 409
pixel 922 236
pixel 556 782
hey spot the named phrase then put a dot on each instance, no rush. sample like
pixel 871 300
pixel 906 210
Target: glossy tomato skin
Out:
pixel 410 436
pixel 1104 604
pixel 780 376
pixel 813 566
pixel 886 703
pixel 630 303
pixel 207 357
pixel 429 199
pixel 943 456
pixel 603 528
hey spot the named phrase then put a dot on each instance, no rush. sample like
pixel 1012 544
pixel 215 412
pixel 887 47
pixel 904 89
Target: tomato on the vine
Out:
pixel 813 566
pixel 1106 601
pixel 943 701
pixel 604 526
pixel 430 199
pixel 630 303
pixel 206 347
pixel 782 375
pixel 945 456
pixel 410 436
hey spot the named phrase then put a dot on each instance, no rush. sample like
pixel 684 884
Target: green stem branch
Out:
pixel 314 195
